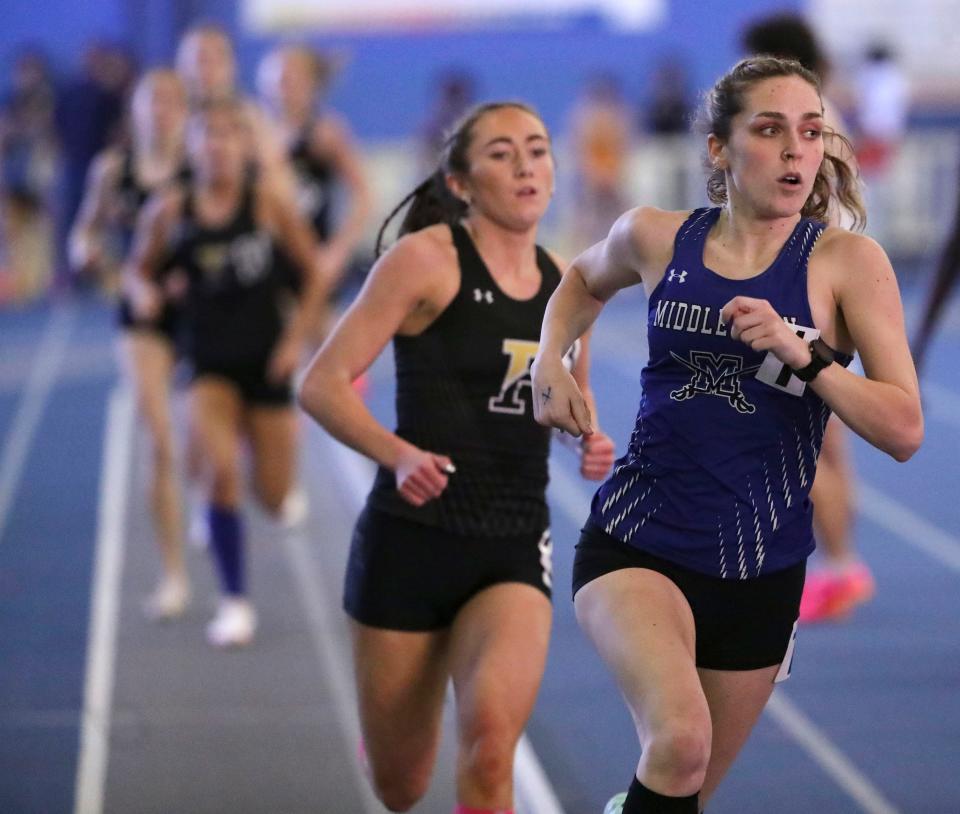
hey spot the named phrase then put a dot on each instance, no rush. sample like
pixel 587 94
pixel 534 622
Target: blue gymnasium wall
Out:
pixel 60 27
pixel 385 86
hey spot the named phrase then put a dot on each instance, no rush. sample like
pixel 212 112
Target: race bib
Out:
pixel 775 373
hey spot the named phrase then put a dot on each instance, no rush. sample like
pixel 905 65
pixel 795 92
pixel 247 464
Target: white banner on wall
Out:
pixel 924 34
pixel 276 16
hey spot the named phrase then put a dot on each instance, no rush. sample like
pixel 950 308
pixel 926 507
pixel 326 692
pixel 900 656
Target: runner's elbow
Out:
pixel 310 393
pixel 908 440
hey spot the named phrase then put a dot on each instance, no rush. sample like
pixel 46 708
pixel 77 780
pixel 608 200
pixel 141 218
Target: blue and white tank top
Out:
pixel 718 470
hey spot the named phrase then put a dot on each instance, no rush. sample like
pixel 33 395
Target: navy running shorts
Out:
pixel 740 624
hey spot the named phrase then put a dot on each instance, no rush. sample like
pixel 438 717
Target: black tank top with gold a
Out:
pixel 316 182
pixel 464 390
pixel 236 301
pixel 130 194
pixel 129 197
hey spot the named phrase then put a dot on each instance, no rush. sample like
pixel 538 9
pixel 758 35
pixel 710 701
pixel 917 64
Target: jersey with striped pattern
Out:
pixel 718 470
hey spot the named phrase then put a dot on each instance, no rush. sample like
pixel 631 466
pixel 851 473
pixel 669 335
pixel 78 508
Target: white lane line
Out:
pixel 104 605
pixel 573 500
pixel 320 613
pixel 833 762
pixel 535 794
pixel 44 371
pixel 909 526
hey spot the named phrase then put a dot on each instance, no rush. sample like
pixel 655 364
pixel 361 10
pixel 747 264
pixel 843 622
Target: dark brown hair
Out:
pixel 837 179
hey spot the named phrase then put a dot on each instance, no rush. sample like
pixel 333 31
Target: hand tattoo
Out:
pixel 545 395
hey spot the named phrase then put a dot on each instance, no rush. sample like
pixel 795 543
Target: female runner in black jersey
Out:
pixel 207 64
pixel 119 183
pixel 220 233
pixel 321 151
pixel 449 572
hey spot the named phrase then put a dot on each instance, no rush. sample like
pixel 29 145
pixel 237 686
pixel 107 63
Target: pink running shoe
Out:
pixel 829 596
pixel 361 385
pixel 363 760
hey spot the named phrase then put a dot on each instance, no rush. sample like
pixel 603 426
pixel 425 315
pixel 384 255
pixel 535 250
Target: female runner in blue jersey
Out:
pixel 689 570
pixel 449 573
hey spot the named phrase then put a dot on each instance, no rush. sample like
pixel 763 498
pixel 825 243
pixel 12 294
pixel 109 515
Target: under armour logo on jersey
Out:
pixel 483 296
pixel 715 375
pixel 679 275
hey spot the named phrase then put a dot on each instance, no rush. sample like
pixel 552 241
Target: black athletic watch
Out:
pixel 821 356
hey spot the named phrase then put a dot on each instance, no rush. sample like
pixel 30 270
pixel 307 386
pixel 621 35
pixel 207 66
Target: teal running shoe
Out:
pixel 615 804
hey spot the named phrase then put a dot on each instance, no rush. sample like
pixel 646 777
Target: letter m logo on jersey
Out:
pixel 511 399
pixel 715 375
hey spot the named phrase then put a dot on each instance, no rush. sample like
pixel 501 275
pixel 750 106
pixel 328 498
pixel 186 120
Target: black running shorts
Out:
pixel 404 575
pixel 740 624
pixel 166 324
pixel 255 388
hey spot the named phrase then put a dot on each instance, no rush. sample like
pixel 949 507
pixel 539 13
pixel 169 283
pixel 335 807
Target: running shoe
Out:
pixel 831 596
pixel 295 508
pixel 615 804
pixel 169 599
pixel 234 625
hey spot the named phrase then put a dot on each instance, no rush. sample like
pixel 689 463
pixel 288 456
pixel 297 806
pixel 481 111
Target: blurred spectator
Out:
pixel 842 581
pixel 668 111
pixel 666 116
pixel 883 104
pixel 787 35
pixel 944 282
pixel 27 173
pixel 454 91
pixel 882 100
pixel 89 116
pixel 601 136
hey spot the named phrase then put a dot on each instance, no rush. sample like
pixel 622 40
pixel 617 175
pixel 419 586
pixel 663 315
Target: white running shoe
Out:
pixel 169 599
pixel 234 625
pixel 615 804
pixel 295 508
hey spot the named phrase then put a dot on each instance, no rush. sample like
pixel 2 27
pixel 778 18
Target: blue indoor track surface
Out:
pixel 869 721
